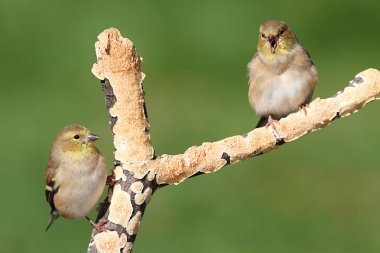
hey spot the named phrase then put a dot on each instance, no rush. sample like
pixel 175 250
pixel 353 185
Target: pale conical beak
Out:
pixel 273 43
pixel 92 137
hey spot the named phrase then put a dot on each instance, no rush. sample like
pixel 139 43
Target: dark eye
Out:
pixel 263 36
pixel 281 32
pixel 76 136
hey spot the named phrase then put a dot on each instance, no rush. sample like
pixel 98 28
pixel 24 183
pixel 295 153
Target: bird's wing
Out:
pixel 310 61
pixel 304 61
pixel 50 188
pixel 253 65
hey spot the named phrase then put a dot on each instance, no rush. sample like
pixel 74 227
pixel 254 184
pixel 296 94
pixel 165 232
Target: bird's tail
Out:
pixel 262 122
pixel 53 216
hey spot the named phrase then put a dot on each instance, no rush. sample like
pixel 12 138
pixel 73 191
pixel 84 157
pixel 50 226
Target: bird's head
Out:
pixel 275 39
pixel 76 139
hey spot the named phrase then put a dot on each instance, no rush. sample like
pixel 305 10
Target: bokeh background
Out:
pixel 319 194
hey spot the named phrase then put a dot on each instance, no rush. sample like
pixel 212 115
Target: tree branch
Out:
pixel 138 173
pixel 118 68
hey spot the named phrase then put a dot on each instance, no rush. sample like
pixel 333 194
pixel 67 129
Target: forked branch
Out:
pixel 138 172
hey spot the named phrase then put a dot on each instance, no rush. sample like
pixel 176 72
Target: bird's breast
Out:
pixel 279 95
pixel 80 185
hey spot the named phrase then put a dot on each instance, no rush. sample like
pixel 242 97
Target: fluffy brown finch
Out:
pixel 75 175
pixel 282 77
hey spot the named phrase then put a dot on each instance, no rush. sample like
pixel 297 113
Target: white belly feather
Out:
pixel 283 93
pixel 79 190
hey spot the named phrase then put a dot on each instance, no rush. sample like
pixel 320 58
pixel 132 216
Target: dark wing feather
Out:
pixel 308 55
pixel 51 189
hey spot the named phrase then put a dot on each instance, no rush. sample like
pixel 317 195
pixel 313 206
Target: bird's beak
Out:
pixel 92 137
pixel 273 43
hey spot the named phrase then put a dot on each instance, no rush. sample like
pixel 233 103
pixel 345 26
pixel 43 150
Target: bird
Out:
pixel 282 76
pixel 75 174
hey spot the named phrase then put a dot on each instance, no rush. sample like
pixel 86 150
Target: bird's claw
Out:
pixel 100 226
pixel 111 180
pixel 271 122
pixel 304 108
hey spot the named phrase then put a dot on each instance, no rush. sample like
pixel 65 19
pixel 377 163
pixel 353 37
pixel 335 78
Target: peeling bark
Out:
pixel 138 172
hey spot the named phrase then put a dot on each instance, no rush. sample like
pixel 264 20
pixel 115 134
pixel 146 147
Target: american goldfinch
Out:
pixel 282 77
pixel 75 174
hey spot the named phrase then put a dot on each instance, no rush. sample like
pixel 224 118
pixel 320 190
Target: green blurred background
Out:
pixel 318 194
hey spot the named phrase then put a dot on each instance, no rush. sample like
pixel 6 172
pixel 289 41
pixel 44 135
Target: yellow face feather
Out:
pixel 76 141
pixel 275 39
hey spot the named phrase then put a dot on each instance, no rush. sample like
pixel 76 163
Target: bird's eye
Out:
pixel 281 32
pixel 76 136
pixel 263 35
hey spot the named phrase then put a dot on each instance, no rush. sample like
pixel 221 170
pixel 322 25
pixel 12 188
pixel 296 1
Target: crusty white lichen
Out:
pixel 139 198
pixel 120 209
pixel 137 187
pixel 134 223
pixel 107 242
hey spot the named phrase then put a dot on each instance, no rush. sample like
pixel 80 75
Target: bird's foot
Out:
pixel 98 226
pixel 271 122
pixel 111 180
pixel 304 108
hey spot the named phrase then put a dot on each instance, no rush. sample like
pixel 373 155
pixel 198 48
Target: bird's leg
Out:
pixel 304 108
pixel 98 226
pixel 111 179
pixel 271 122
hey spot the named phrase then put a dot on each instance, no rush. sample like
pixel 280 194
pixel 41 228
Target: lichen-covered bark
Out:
pixel 118 68
pixel 120 65
pixel 138 173
pixel 209 157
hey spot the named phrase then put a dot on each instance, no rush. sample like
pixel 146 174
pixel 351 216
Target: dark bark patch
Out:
pixel 337 116
pixel 226 157
pixel 356 80
pixel 280 141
